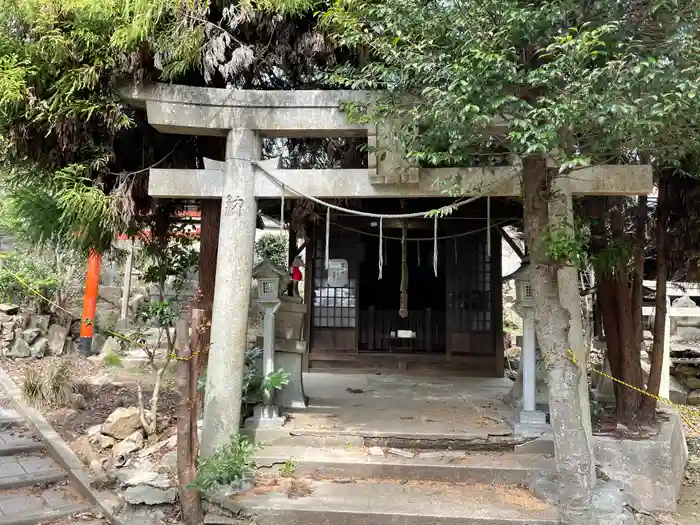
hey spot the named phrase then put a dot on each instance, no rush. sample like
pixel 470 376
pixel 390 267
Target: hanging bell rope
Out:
pixel 435 246
pixel 381 248
pixel 418 252
pixel 328 236
pixel 403 298
pixel 488 227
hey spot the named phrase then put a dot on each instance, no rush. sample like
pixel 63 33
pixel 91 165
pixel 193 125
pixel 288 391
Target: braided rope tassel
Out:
pixel 435 246
pixel 381 248
pixel 328 236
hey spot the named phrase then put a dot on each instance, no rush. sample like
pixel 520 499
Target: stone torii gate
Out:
pixel 243 117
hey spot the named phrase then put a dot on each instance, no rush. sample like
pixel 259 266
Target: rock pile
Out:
pixel 30 335
pixel 118 452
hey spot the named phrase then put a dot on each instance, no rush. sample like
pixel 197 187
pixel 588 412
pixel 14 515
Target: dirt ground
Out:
pixel 104 390
pixel 689 504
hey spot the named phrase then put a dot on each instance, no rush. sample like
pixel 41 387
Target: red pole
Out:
pixel 87 325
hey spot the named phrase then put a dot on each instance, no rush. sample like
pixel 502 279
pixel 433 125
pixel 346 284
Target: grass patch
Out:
pixel 112 360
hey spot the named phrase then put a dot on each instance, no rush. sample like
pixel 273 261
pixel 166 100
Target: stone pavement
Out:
pixel 33 487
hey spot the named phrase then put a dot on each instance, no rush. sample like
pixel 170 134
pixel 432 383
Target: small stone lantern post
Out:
pixel 272 280
pixel 529 419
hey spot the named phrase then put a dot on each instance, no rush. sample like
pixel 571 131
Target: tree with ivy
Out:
pixel 579 84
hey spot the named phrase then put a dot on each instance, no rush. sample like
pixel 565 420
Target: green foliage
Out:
pixel 21 271
pixel 159 313
pixel 254 384
pixel 274 381
pixel 587 83
pixel 112 360
pixel 230 465
pixel 273 247
pixel 288 469
pixel 565 243
pixel 61 117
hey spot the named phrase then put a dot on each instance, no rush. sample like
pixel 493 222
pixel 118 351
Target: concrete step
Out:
pixel 444 465
pixel 26 471
pixel 30 506
pixel 477 441
pixel 385 503
pixel 9 418
pixel 12 443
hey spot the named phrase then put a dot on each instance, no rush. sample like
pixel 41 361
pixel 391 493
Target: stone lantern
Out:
pixel 272 280
pixel 529 420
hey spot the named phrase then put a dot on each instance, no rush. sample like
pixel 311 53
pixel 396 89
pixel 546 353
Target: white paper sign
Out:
pixel 337 273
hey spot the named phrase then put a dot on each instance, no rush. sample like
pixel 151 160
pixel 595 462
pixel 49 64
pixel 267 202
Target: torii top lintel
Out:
pixel 191 110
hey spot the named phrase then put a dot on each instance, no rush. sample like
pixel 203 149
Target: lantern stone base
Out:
pixel 530 423
pixel 265 417
pixel 289 355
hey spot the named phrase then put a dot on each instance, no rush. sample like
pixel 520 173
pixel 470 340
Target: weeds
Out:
pixel 288 469
pixel 112 360
pixel 230 465
pixel 34 387
pixel 59 384
pixel 297 488
pixel 55 388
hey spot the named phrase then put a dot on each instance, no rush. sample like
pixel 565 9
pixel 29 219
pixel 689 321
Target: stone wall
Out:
pixel 25 334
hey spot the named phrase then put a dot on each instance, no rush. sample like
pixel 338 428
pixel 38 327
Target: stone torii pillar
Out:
pixel 234 265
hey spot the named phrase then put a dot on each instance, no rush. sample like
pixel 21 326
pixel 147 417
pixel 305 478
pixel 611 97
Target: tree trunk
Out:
pixel 625 358
pixel 208 250
pixel 571 441
pixel 648 412
pixel 608 310
pixel 187 442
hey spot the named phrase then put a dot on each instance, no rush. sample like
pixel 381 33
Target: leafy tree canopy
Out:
pixel 588 81
pixel 69 145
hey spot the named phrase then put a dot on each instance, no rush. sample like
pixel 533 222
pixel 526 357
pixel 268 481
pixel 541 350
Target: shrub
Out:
pixel 273 247
pixel 230 465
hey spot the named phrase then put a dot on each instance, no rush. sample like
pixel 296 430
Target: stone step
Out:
pixel 367 438
pixel 439 465
pixel 9 418
pixel 385 503
pixel 43 516
pixel 12 444
pixel 26 471
pixel 30 506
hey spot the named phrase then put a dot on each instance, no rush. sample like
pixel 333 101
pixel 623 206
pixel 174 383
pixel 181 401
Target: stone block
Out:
pixel 147 495
pixel 694 398
pixel 122 423
pixel 40 321
pixel 8 331
pixel 98 341
pixel 651 470
pixel 30 335
pixel 111 346
pixel 40 347
pixel 20 349
pixel 4 318
pixel 9 309
pixel 57 339
pixel 289 321
pixel 289 356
